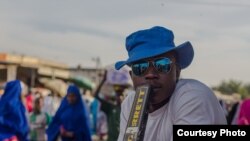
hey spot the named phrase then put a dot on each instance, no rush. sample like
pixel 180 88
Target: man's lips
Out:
pixel 155 88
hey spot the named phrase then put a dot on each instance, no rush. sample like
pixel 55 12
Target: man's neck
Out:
pixel 154 107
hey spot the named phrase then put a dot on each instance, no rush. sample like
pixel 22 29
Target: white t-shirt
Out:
pixel 191 103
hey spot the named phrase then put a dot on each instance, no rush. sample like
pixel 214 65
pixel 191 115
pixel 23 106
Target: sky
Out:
pixel 75 32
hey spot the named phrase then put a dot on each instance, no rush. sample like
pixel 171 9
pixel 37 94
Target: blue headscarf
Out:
pixel 73 118
pixel 13 120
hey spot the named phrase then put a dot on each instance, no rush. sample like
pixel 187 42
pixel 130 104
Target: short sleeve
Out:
pixel 198 107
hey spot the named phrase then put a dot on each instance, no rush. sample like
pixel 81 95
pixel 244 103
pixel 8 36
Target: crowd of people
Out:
pixel 79 116
pixel 237 113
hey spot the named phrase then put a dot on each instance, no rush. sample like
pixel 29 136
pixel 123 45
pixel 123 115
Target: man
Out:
pixel 38 121
pixel 155 60
pixel 111 108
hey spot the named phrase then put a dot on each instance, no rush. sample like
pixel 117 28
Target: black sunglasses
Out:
pixel 162 65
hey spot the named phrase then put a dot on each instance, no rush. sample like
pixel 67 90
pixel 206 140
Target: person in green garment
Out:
pixel 38 122
pixel 112 107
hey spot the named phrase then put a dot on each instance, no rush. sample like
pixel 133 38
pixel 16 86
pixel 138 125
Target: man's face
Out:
pixel 38 104
pixel 119 90
pixel 162 83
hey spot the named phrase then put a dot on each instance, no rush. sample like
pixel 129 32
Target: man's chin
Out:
pixel 154 102
pixel 154 98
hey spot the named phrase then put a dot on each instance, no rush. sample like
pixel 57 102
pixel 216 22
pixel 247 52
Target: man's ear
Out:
pixel 178 72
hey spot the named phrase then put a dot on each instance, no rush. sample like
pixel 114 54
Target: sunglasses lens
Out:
pixel 140 68
pixel 162 65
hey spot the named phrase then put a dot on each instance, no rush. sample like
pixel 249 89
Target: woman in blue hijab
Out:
pixel 70 121
pixel 13 122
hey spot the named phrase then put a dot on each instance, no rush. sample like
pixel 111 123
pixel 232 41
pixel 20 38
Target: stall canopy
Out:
pixel 82 82
pixel 56 85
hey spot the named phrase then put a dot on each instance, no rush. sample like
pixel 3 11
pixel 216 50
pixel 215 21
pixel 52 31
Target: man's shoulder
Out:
pixel 195 97
pixel 193 89
pixel 191 84
pixel 129 97
pixel 128 101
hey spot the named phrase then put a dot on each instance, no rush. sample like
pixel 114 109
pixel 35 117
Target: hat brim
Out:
pixel 185 54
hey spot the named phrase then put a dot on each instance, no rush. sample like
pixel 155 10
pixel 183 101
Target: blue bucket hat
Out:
pixel 155 41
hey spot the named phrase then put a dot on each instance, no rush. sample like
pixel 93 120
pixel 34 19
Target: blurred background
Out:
pixel 49 44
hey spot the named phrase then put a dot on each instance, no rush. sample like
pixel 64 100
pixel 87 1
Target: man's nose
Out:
pixel 151 73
